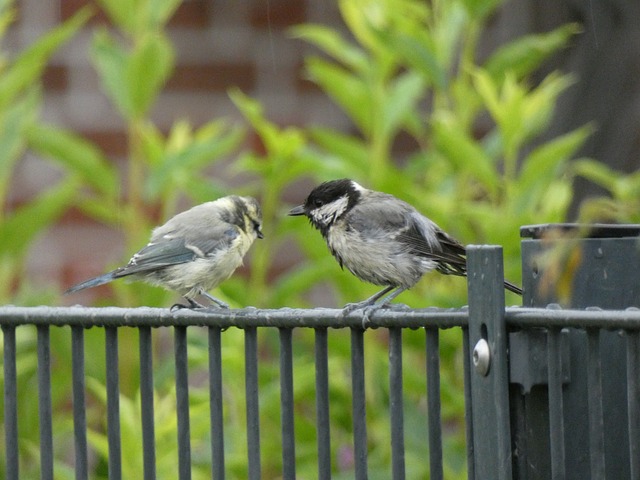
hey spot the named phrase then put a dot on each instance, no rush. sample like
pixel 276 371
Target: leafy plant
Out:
pixel 413 70
pixel 20 100
pixel 621 205
pixel 20 103
pixel 409 70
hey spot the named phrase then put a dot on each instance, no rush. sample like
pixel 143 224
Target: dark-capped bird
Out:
pixel 381 239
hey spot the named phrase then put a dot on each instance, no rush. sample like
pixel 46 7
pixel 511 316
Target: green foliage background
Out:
pixel 407 68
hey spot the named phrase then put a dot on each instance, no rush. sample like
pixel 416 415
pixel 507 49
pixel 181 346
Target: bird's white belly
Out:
pixel 378 261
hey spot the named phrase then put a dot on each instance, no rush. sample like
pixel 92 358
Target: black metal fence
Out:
pixel 502 420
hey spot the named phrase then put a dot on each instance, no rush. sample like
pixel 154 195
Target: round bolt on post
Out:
pixel 482 357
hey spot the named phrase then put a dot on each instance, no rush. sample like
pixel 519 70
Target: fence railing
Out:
pixel 496 378
pixel 251 321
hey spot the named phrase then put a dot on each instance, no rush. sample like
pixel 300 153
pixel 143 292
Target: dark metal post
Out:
pixel 113 403
pixel 286 405
pixel 556 421
pixel 596 270
pixel 10 402
pixel 359 404
pixel 322 404
pixel 182 402
pixel 146 403
pixel 396 407
pixel 79 404
pixel 253 403
pixel 215 403
pixel 44 403
pixel 490 376
pixel 436 469
pixel 633 400
pixel 468 404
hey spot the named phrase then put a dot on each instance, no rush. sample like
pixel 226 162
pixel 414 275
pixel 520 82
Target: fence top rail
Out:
pixel 241 318
pixel 628 319
pixel 554 316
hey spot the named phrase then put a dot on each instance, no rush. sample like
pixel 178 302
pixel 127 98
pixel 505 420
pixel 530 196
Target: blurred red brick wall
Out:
pixel 218 45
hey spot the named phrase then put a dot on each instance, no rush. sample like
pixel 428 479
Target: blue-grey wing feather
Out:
pixel 173 250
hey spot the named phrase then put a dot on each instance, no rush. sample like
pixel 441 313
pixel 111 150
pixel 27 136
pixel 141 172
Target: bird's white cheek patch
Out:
pixel 327 213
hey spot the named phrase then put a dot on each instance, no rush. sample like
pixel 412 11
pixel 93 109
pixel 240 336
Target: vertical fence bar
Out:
pixel 286 405
pixel 113 403
pixel 147 403
pixel 436 468
pixel 556 405
pixel 44 403
pixel 253 405
pixel 596 421
pixel 468 406
pixel 395 400
pixel 322 404
pixel 358 399
pixel 490 375
pixel 79 404
pixel 633 400
pixel 12 469
pixel 215 403
pixel 182 402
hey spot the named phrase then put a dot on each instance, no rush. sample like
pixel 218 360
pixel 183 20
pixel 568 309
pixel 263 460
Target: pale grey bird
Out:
pixel 381 239
pixel 195 251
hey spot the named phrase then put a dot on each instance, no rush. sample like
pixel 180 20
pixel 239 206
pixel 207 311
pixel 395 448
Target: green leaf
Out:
pixel 160 11
pixel 525 54
pixel 19 228
pixel 28 66
pixel 14 119
pixel 132 79
pixel 122 13
pixel 179 165
pixel 149 67
pixel 405 91
pixel 253 111
pixel 346 89
pixel 139 17
pixel 76 155
pixel 110 60
pixel 479 9
pixel 465 153
pixel 347 148
pixel 597 172
pixel 332 43
pixel 543 162
pixel 415 48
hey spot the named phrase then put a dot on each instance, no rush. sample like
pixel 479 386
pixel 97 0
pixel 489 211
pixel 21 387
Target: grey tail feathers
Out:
pixel 94 282
pixel 512 288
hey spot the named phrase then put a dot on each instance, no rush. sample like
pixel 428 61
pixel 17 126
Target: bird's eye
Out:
pixel 317 203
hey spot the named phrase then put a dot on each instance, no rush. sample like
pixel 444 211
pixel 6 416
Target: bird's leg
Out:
pixel 220 303
pixel 350 307
pixel 370 309
pixel 192 305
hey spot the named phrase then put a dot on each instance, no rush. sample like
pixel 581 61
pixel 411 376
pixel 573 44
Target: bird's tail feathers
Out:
pixel 94 282
pixel 512 288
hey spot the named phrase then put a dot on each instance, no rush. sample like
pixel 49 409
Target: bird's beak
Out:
pixel 259 234
pixel 299 210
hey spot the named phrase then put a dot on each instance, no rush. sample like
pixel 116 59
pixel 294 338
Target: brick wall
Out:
pixel 219 44
pixel 244 43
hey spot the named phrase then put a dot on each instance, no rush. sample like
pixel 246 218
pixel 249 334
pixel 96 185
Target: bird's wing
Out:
pixel 425 238
pixel 173 249
pixel 389 219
